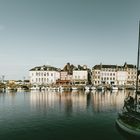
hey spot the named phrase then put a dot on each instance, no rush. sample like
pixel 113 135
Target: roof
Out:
pixel 104 66
pixel 45 68
pixel 114 66
pixel 129 65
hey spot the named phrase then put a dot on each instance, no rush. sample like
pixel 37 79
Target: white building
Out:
pixel 80 77
pixel 44 75
pixel 122 76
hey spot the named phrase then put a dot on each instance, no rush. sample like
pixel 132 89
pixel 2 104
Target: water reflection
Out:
pixel 78 100
pixel 60 115
pixel 67 102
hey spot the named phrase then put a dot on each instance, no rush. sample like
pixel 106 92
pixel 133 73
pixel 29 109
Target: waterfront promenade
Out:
pixel 55 87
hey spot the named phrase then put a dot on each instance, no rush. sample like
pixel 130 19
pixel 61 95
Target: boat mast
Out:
pixel 137 64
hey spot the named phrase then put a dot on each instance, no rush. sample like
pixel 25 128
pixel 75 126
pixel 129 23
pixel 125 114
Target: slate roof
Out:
pixel 114 66
pixel 104 66
pixel 45 68
pixel 131 66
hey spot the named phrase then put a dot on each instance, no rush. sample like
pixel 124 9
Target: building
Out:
pixel 80 75
pixel 44 75
pixel 104 74
pixel 65 78
pixel 132 73
pixel 64 75
pixel 113 74
pixel 122 76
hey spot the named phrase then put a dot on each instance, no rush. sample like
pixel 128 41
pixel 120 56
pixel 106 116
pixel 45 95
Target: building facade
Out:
pixel 132 73
pixel 113 74
pixel 122 75
pixel 65 78
pixel 44 75
pixel 104 74
pixel 80 77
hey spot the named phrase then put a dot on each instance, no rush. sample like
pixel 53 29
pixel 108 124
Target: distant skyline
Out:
pixel 54 32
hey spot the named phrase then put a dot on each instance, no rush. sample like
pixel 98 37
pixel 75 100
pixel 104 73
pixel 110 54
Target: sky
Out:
pixel 54 32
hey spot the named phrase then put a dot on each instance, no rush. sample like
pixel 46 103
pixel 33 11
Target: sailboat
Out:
pixel 129 119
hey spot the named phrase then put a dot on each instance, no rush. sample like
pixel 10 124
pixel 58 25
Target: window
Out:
pixel 51 74
pixel 47 74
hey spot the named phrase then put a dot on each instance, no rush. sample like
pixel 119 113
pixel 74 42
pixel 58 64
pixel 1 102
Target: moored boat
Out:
pixel 133 130
pixel 121 87
pixel 93 88
pixel 114 87
pixel 87 88
pixel 74 88
pixel 129 119
pixel 100 87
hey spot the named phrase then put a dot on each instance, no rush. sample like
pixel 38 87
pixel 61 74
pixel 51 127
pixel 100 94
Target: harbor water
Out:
pixel 53 115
